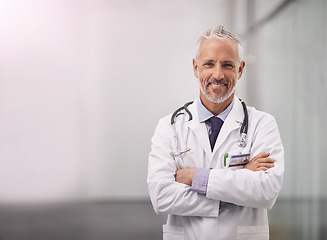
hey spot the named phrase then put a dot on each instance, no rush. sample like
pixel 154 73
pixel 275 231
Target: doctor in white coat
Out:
pixel 204 198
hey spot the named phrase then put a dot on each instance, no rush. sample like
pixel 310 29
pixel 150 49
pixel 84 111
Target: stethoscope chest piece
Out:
pixel 242 142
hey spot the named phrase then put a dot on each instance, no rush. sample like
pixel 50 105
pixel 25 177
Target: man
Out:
pixel 203 194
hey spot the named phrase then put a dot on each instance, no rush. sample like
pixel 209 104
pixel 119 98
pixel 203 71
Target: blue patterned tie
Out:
pixel 216 124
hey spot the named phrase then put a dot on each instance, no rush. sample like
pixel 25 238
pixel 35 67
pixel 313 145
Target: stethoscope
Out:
pixel 184 110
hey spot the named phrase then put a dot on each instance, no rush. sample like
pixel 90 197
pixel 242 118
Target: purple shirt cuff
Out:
pixel 200 180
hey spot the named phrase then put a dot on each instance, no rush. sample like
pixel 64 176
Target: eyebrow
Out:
pixel 209 60
pixel 223 62
pixel 228 61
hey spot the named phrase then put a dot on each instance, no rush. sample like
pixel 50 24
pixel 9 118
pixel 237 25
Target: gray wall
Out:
pixel 286 41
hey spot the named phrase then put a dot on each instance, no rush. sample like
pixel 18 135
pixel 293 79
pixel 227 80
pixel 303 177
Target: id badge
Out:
pixel 236 160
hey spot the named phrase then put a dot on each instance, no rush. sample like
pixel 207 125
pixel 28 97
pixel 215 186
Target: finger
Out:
pixel 269 165
pixel 261 161
pixel 265 164
pixel 266 160
pixel 261 155
pixel 262 169
pixel 177 175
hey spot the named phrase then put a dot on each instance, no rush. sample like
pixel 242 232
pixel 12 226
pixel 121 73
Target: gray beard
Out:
pixel 215 100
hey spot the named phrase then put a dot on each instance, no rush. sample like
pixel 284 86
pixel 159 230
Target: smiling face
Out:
pixel 218 69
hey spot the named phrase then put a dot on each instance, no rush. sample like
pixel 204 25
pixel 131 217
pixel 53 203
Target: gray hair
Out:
pixel 220 32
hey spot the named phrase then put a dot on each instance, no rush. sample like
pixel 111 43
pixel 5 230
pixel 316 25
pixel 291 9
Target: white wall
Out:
pixel 82 86
pixel 145 67
pixel 41 108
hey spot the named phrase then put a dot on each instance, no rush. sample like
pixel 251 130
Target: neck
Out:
pixel 216 108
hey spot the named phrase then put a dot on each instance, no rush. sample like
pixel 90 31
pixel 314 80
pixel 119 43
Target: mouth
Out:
pixel 217 83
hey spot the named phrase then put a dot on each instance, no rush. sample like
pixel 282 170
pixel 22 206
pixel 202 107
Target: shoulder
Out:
pixel 168 119
pixel 165 121
pixel 262 120
pixel 257 115
pixel 189 108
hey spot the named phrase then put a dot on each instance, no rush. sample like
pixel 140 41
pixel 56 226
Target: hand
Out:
pixel 185 175
pixel 261 162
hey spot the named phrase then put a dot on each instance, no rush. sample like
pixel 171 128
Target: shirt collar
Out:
pixel 204 113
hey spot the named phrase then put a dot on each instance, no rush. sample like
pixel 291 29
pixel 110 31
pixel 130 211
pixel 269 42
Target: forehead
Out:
pixel 215 49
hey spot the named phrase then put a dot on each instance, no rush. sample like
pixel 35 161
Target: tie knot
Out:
pixel 216 123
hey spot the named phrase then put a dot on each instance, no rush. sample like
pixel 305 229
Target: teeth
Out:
pixel 216 85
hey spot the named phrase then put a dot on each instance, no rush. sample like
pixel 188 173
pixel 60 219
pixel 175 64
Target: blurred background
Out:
pixel 83 84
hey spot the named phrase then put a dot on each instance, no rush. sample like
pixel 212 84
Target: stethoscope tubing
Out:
pixel 244 127
pixel 179 111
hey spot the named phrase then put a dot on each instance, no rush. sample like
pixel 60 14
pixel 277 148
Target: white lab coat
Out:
pixel 194 216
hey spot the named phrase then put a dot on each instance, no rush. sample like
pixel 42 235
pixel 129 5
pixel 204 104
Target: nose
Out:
pixel 218 72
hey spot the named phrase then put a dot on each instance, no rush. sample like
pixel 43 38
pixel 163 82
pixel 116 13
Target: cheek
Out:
pixel 204 77
pixel 203 83
pixel 232 77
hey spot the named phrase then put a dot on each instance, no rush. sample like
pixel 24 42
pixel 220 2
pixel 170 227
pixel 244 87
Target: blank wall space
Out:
pixel 290 81
pixel 145 66
pixel 39 101
pixel 82 86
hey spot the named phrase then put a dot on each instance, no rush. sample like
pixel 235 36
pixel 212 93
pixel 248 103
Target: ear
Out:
pixel 240 69
pixel 195 68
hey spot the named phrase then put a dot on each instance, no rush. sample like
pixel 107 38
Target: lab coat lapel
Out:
pixel 233 121
pixel 199 129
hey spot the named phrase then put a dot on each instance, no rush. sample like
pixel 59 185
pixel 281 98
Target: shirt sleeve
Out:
pixel 200 180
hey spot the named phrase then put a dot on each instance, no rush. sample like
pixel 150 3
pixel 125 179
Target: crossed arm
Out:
pixel 170 189
pixel 261 162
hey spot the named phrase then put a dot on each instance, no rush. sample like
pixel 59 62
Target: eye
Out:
pixel 228 65
pixel 208 64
